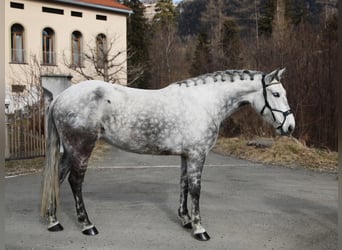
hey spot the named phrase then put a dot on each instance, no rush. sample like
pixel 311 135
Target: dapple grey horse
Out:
pixel 181 119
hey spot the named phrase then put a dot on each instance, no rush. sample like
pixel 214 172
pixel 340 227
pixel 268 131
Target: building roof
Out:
pixel 110 5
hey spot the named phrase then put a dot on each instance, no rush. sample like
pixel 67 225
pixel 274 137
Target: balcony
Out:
pixel 77 59
pixel 49 58
pixel 18 56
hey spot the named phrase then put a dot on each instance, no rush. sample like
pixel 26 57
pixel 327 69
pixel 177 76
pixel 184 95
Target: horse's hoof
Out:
pixel 188 225
pixel 90 231
pixel 202 236
pixel 56 227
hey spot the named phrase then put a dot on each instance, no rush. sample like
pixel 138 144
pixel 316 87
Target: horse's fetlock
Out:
pixel 196 219
pixel 198 228
pixel 183 212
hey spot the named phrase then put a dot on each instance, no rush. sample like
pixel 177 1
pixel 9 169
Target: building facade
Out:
pixel 60 36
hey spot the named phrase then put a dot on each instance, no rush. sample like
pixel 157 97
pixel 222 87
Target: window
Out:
pixel 17 44
pixel 17 88
pixel 53 10
pixel 48 36
pixel 101 17
pixel 76 48
pixel 101 50
pixel 76 13
pixel 17 5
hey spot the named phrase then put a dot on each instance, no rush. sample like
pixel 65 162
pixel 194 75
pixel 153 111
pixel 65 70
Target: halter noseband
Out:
pixel 267 105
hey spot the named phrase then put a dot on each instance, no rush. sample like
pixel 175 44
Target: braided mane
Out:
pixel 227 75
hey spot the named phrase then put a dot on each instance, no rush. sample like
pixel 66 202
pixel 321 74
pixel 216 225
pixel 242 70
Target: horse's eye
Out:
pixel 276 94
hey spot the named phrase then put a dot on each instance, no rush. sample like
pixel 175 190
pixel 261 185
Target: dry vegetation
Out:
pixel 285 151
pixel 16 167
pixel 35 165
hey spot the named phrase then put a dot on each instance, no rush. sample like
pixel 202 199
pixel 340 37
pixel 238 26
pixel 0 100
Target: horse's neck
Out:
pixel 230 96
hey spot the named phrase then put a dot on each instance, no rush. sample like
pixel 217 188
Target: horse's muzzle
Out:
pixel 285 131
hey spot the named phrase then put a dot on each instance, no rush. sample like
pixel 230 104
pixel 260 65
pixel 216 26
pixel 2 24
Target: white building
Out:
pixel 44 36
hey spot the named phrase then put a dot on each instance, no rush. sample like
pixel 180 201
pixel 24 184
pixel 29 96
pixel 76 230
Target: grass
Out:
pixel 285 151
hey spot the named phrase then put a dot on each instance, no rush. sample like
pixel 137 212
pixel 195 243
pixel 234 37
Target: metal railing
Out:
pixel 17 55
pixel 49 58
pixel 77 59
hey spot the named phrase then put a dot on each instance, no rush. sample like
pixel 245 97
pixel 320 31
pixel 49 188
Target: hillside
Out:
pixel 244 12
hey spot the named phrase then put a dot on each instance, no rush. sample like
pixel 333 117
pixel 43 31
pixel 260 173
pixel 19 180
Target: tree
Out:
pixel 165 13
pixel 265 21
pixel 103 60
pixel 299 11
pixel 138 40
pixel 164 28
pixel 202 60
pixel 189 18
pixel 231 45
pixel 212 20
pixel 25 83
pixel 223 35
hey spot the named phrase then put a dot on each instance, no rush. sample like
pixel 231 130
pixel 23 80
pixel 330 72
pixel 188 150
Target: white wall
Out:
pixel 34 21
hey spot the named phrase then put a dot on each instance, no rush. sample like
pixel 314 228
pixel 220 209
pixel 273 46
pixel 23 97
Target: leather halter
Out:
pixel 267 105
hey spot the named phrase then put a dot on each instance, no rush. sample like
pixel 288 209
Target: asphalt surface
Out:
pixel 133 201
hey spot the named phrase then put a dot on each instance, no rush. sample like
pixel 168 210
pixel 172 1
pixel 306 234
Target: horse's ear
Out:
pixel 275 75
pixel 271 76
pixel 280 73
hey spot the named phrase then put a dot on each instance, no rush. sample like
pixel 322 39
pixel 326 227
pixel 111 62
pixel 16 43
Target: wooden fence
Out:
pixel 25 134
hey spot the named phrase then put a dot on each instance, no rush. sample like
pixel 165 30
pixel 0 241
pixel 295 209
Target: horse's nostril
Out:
pixel 290 129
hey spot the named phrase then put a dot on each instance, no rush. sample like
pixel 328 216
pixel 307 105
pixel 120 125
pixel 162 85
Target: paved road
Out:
pixel 133 199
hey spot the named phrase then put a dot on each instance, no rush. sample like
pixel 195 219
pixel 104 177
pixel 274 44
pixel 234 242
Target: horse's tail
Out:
pixel 50 194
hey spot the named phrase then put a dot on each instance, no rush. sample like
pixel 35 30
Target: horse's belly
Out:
pixel 145 143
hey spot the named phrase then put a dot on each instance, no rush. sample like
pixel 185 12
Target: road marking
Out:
pixel 170 166
pixel 17 175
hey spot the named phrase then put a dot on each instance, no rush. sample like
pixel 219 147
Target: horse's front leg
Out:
pixel 76 178
pixel 194 171
pixel 184 190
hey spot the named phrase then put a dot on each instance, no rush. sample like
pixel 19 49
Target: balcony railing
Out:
pixel 18 56
pixel 77 59
pixel 49 58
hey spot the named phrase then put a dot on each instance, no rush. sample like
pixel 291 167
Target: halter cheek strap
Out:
pixel 267 105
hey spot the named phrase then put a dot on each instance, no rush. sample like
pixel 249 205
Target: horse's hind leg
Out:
pixel 81 145
pixel 183 213
pixel 76 178
pixel 54 224
pixel 65 165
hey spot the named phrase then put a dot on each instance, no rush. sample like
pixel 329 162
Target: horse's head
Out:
pixel 271 103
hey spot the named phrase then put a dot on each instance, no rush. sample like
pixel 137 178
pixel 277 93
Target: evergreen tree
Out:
pixel 267 10
pixel 299 11
pixel 138 42
pixel 231 44
pixel 164 25
pixel 166 13
pixel 202 60
pixel 189 17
